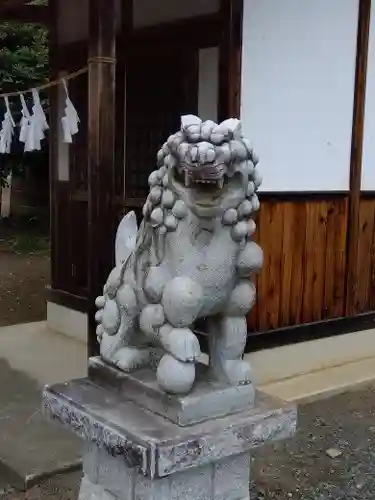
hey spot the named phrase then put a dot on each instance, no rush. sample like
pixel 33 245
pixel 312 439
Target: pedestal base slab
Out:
pixel 156 446
pixel 209 399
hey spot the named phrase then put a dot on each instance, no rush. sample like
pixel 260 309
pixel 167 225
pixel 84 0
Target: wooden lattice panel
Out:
pixel 157 95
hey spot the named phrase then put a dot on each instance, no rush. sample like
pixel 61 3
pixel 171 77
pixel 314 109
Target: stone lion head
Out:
pixel 210 167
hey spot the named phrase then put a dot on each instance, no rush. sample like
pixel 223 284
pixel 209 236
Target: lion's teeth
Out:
pixel 220 182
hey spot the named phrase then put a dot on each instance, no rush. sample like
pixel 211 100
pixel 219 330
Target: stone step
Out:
pixel 32 448
pixel 322 384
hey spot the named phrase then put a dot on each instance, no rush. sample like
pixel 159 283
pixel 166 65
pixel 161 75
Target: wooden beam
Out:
pixel 206 29
pixel 229 57
pixel 356 154
pixel 101 151
pixel 38 14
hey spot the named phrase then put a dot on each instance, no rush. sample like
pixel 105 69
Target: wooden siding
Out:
pixel 303 276
pixel 364 295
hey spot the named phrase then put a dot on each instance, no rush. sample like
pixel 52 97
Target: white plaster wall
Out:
pixel 208 83
pixel 368 164
pixel 67 321
pixel 298 67
pixel 151 12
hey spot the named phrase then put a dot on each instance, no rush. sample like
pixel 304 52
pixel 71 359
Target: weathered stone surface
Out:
pixel 210 398
pixel 110 472
pixel 90 491
pixel 231 478
pixel 153 444
pixel 226 480
pixel 186 260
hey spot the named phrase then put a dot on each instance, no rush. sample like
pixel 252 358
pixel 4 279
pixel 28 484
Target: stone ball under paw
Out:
pixel 174 376
pixel 182 299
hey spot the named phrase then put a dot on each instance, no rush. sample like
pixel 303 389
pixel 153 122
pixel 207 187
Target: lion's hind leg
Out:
pixel 227 337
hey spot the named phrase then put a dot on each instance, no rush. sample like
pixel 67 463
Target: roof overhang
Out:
pixel 23 12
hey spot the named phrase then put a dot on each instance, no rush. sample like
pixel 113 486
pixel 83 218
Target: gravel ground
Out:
pixel 64 487
pixel 24 273
pixel 299 468
pixel 23 279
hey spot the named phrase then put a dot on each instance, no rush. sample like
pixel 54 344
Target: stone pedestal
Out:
pixel 135 450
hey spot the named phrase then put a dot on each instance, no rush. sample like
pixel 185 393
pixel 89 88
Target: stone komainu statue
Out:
pixel 191 258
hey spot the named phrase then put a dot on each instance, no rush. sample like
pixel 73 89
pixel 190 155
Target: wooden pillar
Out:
pixel 356 155
pixel 126 29
pixel 230 58
pixel 101 152
pixel 53 135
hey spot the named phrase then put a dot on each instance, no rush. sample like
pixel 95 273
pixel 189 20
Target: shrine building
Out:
pixel 300 76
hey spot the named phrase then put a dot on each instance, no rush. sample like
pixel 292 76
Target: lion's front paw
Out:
pixel 181 343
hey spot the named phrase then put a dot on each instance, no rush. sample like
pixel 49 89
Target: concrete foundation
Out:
pixel 71 323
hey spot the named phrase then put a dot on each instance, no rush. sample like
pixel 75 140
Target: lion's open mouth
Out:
pixel 207 179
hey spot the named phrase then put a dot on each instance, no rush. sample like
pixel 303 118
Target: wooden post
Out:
pixel 53 135
pixel 101 152
pixel 230 58
pixel 356 155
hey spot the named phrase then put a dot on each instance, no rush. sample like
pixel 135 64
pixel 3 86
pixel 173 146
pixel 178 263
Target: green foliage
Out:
pixel 23 64
pixel 23 56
